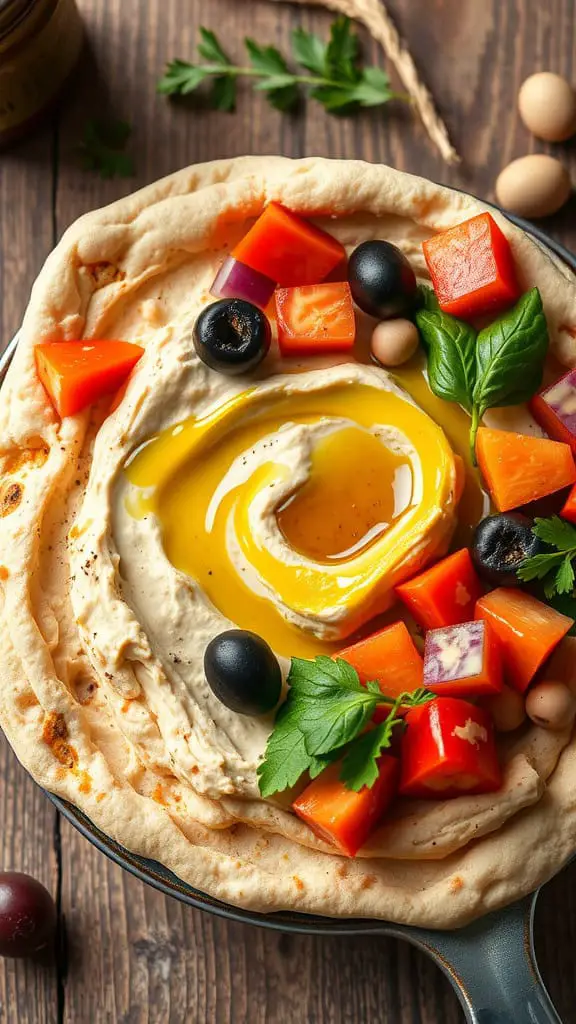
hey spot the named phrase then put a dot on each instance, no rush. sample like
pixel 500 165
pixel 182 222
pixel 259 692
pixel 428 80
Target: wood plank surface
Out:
pixel 135 957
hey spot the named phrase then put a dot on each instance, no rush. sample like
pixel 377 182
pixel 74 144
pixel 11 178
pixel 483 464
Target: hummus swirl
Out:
pixel 107 605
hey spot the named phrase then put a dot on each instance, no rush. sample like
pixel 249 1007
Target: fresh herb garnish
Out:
pixel 102 148
pixel 510 356
pixel 335 78
pixel 502 365
pixel 555 569
pixel 326 709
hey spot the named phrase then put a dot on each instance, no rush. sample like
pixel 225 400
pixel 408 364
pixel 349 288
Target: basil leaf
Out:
pixel 451 348
pixel 510 355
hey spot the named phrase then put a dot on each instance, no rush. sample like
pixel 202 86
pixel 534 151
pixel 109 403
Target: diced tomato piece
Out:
pixel 472 268
pixel 445 594
pixel 568 510
pixel 391 659
pixel 77 373
pixel 448 750
pixel 519 469
pixel 339 815
pixel 554 408
pixel 315 319
pixel 288 249
pixel 463 660
pixel 527 629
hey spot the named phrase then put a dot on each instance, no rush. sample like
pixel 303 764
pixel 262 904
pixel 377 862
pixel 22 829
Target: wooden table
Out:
pixel 133 956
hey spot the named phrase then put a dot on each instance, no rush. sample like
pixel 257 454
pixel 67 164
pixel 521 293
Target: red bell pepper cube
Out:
pixel 568 510
pixel 288 249
pixel 448 750
pixel 315 319
pixel 464 660
pixel 527 629
pixel 391 659
pixel 342 817
pixel 77 373
pixel 472 268
pixel 444 595
pixel 554 408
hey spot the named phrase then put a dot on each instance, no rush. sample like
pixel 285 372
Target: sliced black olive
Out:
pixel 501 543
pixel 243 672
pixel 232 336
pixel 382 281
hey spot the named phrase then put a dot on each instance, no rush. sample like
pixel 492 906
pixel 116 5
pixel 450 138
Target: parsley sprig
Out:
pixel 554 568
pixel 333 74
pixel 103 148
pixel 323 719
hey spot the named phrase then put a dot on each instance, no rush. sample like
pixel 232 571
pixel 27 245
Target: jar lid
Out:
pixel 12 12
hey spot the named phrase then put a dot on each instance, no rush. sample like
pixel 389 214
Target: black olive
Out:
pixel 27 915
pixel 243 672
pixel 501 543
pixel 382 281
pixel 232 336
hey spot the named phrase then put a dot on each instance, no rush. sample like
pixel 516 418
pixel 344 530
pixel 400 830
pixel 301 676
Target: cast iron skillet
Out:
pixel 491 963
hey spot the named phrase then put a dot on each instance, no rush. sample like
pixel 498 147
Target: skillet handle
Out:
pixel 492 967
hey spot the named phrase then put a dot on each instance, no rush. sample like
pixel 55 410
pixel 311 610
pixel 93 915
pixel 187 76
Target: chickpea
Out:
pixel 507 710
pixel 551 705
pixel 394 342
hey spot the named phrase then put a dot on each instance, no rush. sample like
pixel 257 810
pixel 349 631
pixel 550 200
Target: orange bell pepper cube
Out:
pixel 448 750
pixel 315 319
pixel 391 659
pixel 463 661
pixel 554 408
pixel 568 510
pixel 472 268
pixel 519 469
pixel 288 249
pixel 527 629
pixel 342 817
pixel 444 595
pixel 77 373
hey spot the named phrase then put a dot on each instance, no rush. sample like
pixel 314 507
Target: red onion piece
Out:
pixel 235 280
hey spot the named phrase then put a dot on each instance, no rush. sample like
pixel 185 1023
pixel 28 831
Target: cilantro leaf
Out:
pixel 538 566
pixel 209 48
pixel 286 757
pixel 181 78
pixel 309 51
pixel 360 766
pixel 102 148
pixel 223 93
pixel 336 720
pixel 372 89
pixel 564 579
pixel 342 52
pixel 557 532
pixel 279 83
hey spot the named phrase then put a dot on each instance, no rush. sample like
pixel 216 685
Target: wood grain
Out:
pixel 135 957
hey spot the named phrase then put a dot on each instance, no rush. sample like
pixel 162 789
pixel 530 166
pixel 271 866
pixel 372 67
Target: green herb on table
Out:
pixel 326 710
pixel 555 569
pixel 334 76
pixel 500 366
pixel 103 148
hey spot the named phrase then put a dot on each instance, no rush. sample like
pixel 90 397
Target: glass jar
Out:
pixel 40 42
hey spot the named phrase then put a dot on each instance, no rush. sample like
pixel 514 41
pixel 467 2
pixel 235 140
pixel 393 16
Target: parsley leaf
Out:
pixel 309 51
pixel 334 75
pixel 102 148
pixel 360 766
pixel 554 568
pixel 557 532
pixel 327 708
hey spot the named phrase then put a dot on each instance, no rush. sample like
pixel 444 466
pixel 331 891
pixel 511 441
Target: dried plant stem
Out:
pixel 374 15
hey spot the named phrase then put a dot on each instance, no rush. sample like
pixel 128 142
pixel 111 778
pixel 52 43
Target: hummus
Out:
pixel 131 537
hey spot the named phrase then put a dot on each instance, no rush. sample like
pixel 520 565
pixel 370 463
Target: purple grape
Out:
pixel 27 915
